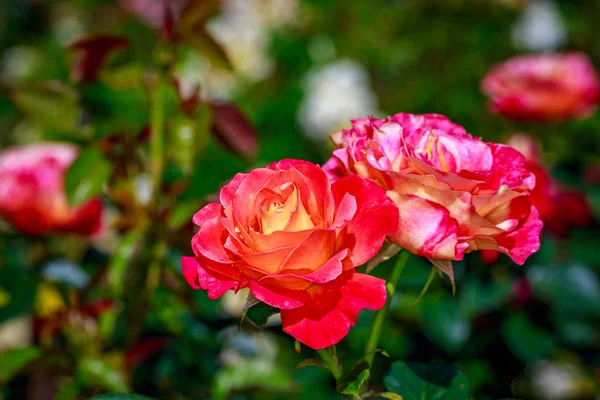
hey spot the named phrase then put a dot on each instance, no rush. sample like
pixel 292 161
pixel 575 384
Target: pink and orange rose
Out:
pixel 455 193
pixel 32 195
pixel 295 240
pixel 544 87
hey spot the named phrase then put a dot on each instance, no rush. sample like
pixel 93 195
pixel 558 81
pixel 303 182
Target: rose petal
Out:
pixel 329 271
pixel 199 278
pixel 312 252
pixel 425 228
pixel 208 212
pixel 328 317
pixel 277 297
pixel 521 243
pixel 376 217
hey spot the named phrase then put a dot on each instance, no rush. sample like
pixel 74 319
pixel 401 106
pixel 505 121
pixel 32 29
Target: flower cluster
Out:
pixel 294 233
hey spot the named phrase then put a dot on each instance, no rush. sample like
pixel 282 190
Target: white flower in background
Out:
pixel 333 95
pixel 193 72
pixel 16 333
pixel 244 30
pixel 67 23
pixel 20 63
pixel 143 188
pixel 540 27
pixel 553 381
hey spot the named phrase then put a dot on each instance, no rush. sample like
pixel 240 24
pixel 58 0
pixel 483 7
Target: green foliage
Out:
pixel 445 323
pixel 120 396
pixel 86 176
pixel 525 340
pixel 121 318
pixel 12 361
pixel 414 381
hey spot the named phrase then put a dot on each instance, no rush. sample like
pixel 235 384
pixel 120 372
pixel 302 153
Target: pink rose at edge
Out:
pixel 32 197
pixel 543 87
pixel 455 193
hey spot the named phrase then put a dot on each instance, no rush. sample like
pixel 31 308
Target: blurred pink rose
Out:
pixel 544 87
pixel 561 209
pixel 455 193
pixel 32 196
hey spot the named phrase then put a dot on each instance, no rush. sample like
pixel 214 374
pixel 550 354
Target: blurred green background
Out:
pixel 298 71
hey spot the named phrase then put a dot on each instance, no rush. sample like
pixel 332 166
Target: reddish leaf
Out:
pixel 143 349
pixel 188 103
pixel 92 53
pixel 232 127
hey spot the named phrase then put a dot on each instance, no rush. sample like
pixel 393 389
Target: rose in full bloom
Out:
pixel 294 240
pixel 543 87
pixel 455 193
pixel 560 208
pixel 32 195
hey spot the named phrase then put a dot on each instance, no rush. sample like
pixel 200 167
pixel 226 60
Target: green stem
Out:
pixel 331 363
pixel 380 315
pixel 157 160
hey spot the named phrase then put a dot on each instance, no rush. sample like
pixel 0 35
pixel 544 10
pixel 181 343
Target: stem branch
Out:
pixel 331 363
pixel 156 141
pixel 380 315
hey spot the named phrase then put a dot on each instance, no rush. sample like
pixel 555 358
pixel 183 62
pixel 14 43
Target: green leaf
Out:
pixel 476 297
pixel 526 341
pixel 354 387
pixel 203 183
pixel 445 323
pixel 196 13
pixel 55 107
pixel 259 313
pixel 353 374
pixel 17 290
pixel 434 272
pixel 86 176
pixel 208 47
pixel 96 371
pixel 574 288
pixel 384 395
pixel 415 381
pixel 308 362
pixel 188 137
pixel 183 213
pixel 246 374
pixel 117 267
pixel 106 104
pixel 121 396
pixel 13 360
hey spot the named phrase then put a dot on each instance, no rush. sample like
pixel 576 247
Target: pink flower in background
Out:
pixel 543 87
pixel 455 193
pixel 561 209
pixel 294 240
pixel 32 196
